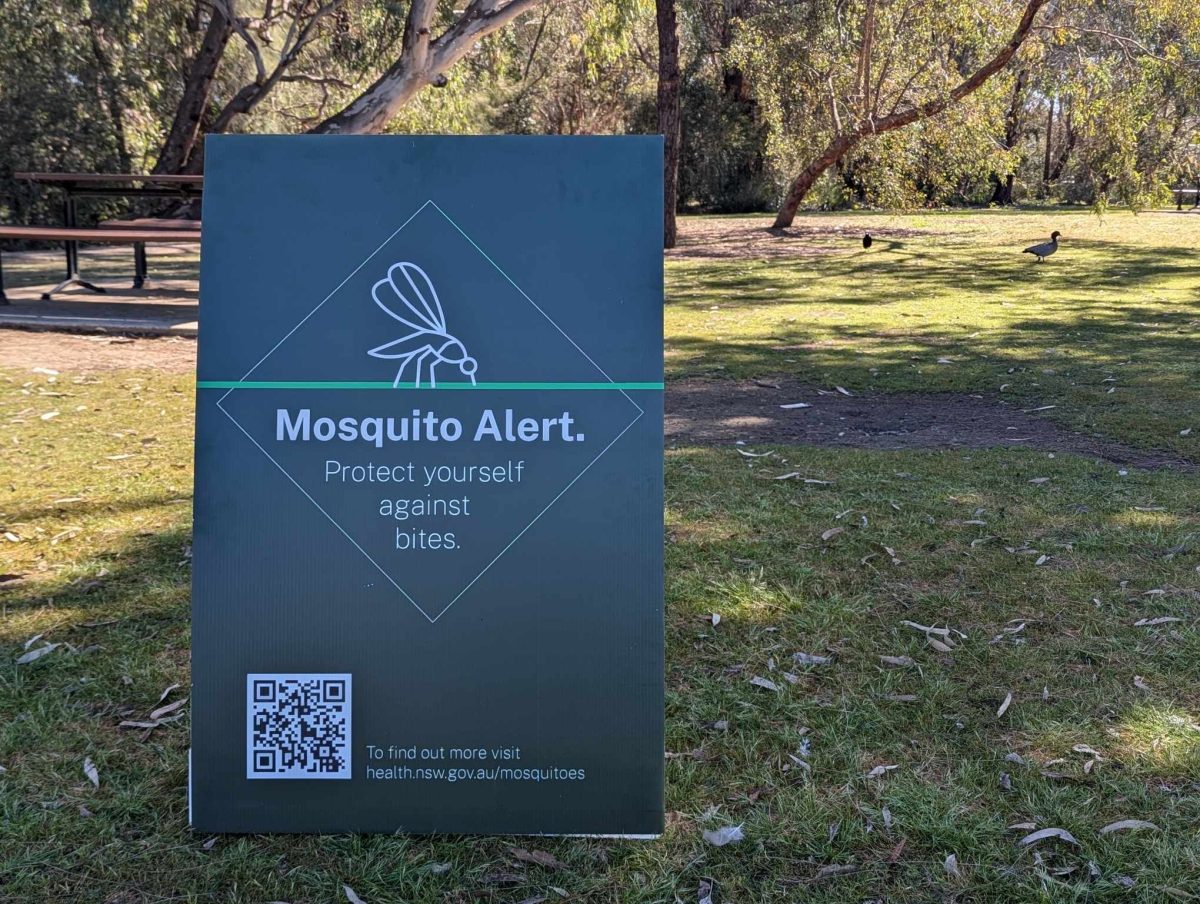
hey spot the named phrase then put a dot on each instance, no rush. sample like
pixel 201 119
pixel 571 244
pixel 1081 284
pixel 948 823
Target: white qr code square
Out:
pixel 298 725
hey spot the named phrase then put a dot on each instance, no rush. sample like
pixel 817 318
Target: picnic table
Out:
pixel 1179 194
pixel 137 232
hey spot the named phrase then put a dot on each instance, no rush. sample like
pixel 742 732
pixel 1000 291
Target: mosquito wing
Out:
pixel 403 347
pixel 407 294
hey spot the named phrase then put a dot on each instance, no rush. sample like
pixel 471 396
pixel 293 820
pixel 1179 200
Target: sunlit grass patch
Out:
pixel 1162 738
pixel 957 308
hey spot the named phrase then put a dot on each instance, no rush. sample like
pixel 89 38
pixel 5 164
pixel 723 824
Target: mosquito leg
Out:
pixel 421 357
pixel 432 375
pixel 405 361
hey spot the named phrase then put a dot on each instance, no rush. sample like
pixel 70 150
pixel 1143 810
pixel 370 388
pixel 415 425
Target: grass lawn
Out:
pixel 853 779
pixel 947 301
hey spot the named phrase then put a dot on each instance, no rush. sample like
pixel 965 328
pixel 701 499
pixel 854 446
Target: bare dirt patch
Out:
pixel 700 412
pixel 752 238
pixel 703 412
pixel 20 349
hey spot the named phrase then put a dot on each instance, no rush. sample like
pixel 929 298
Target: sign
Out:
pixel 427 590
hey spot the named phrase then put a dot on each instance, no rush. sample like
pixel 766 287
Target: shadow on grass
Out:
pixel 148 577
pixel 85 507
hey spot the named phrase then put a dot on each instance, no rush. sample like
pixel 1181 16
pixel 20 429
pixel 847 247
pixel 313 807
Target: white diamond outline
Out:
pixel 431 619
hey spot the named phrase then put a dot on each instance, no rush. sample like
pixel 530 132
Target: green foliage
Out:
pixel 94 85
pixel 723 166
pixel 81 88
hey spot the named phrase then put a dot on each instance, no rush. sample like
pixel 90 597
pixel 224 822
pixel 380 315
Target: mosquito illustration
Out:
pixel 409 290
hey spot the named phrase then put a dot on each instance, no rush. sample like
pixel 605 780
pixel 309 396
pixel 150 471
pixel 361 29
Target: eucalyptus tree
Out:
pixel 668 106
pixel 1127 80
pixel 423 58
pixel 312 54
pixel 835 74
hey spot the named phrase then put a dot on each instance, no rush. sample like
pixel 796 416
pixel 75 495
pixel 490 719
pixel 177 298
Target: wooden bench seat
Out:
pixel 132 235
pixel 152 223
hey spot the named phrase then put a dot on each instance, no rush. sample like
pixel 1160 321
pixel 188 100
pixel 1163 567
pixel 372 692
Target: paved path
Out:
pixel 167 307
pixel 169 310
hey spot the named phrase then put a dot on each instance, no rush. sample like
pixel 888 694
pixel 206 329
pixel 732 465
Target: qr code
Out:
pixel 298 726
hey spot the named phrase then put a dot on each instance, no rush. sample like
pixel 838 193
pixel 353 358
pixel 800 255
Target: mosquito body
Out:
pixel 407 294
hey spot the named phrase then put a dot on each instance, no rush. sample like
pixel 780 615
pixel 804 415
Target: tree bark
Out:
pixel 1067 145
pixel 423 61
pixel 834 151
pixel 185 128
pixel 842 143
pixel 668 113
pixel 1012 136
pixel 1049 143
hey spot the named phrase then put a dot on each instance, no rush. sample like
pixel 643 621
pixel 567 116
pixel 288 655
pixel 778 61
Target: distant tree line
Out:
pixel 767 105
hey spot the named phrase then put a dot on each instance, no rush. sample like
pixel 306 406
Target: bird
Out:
pixel 867 240
pixel 1045 249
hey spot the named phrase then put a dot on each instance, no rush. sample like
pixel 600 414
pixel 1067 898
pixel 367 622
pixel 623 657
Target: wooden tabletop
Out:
pixel 109 178
pixel 105 235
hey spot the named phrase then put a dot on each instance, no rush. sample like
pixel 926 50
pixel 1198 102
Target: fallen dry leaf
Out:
pixel 33 655
pixel 1128 825
pixel 836 869
pixel 541 858
pixel 1043 834
pixel 90 770
pixel 1008 698
pixel 809 659
pixel 765 683
pixel 167 710
pixel 351 896
pixel 166 693
pixel 1151 622
pixel 724 835
pixel 939 645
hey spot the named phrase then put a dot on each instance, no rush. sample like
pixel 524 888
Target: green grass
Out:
pixel 99 499
pixel 1115 308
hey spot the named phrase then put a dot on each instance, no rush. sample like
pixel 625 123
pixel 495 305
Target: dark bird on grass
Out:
pixel 1045 249
pixel 867 240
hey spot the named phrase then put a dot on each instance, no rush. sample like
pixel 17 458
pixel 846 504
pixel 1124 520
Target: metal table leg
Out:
pixel 72 249
pixel 139 265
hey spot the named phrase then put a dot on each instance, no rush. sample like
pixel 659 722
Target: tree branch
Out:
pixel 969 85
pixel 423 61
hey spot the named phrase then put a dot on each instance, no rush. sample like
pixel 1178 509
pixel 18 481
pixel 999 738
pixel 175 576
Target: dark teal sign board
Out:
pixel 427 590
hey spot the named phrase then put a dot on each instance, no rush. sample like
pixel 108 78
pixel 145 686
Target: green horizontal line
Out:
pixel 339 384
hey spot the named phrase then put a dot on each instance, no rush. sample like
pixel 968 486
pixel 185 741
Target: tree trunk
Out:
pixel 668 113
pixel 833 152
pixel 1049 142
pixel 185 128
pixel 1012 136
pixel 876 125
pixel 1068 145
